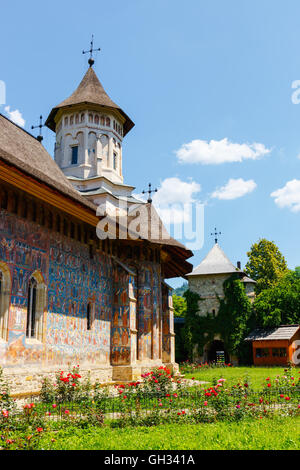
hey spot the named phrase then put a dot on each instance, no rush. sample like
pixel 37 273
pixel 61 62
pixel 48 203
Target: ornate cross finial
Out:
pixel 150 191
pixel 215 234
pixel 41 125
pixel 91 61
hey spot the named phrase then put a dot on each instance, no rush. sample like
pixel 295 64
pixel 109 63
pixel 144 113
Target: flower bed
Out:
pixel 158 398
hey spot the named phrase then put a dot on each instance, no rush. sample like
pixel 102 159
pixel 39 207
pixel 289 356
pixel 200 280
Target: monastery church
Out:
pixel 68 296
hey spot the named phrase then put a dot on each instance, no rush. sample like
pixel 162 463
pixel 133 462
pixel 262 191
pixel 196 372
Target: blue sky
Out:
pixel 183 71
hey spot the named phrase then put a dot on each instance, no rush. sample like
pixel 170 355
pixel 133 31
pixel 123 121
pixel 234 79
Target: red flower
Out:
pixel 39 429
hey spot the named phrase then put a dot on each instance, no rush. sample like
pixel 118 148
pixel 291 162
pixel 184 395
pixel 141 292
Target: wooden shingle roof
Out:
pixel 22 150
pixel 284 332
pixel 89 91
pixel 215 262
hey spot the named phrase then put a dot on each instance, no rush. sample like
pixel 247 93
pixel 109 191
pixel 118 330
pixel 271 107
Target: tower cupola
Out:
pixel 89 129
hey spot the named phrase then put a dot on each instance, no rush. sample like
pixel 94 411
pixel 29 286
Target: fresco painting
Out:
pixel 127 313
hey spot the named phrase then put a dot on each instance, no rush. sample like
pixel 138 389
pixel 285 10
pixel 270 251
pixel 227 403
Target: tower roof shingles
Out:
pixel 89 91
pixel 215 262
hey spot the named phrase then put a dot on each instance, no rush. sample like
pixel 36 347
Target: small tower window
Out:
pixel 115 160
pixel 82 117
pixel 66 121
pixel 71 120
pixel 108 122
pixel 96 119
pixel 74 158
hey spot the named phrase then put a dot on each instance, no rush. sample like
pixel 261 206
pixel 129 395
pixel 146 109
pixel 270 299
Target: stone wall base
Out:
pixel 27 380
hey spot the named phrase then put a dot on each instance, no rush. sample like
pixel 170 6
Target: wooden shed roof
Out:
pixel 284 332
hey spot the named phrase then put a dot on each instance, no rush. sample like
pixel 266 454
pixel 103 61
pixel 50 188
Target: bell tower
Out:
pixel 90 129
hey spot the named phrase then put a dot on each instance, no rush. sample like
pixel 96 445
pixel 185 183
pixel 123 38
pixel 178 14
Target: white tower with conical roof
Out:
pixel 90 129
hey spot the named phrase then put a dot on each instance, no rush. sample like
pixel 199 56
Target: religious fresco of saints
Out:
pixel 125 337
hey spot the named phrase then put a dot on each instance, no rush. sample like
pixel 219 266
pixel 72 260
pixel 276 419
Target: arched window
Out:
pixel 102 121
pixel 82 117
pixel 108 122
pixel 96 119
pixel 71 120
pixel 77 119
pixel 66 121
pixel 31 309
pixel 5 289
pixel 36 302
pixel 90 118
pixel 90 316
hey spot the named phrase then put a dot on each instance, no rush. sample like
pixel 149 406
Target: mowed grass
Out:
pixel 258 434
pixel 257 375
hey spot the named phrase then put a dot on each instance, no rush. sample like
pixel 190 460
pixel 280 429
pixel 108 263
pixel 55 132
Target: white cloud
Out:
pixel 172 198
pixel 234 189
pixel 15 116
pixel 216 152
pixel 288 196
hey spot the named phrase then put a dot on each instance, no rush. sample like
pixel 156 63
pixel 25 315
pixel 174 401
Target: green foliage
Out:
pixel 234 315
pixel 233 322
pixel 181 290
pixel 279 305
pixel 198 330
pixel 179 304
pixel 266 264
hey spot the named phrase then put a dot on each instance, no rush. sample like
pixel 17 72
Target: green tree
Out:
pixel 235 316
pixel 179 305
pixel 266 264
pixel 280 304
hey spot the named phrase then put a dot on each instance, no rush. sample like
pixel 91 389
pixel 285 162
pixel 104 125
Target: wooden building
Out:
pixel 275 346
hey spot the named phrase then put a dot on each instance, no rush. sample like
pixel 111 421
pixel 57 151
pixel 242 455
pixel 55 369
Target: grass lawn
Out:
pixel 256 434
pixel 257 375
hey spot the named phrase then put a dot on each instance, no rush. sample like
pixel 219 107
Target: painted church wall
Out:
pixel 73 280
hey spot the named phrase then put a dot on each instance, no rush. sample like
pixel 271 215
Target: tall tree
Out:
pixel 279 305
pixel 266 264
pixel 179 305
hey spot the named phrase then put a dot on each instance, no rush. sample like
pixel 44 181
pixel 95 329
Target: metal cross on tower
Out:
pixel 91 61
pixel 215 234
pixel 41 125
pixel 150 191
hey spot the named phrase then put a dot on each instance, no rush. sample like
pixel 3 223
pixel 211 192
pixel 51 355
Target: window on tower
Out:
pixel 74 157
pixel 115 160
